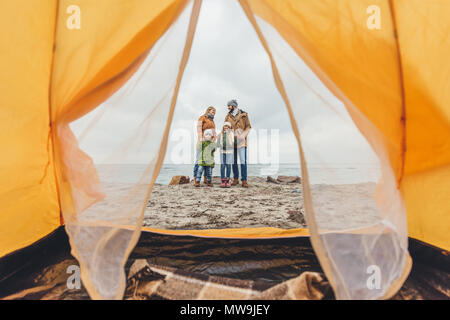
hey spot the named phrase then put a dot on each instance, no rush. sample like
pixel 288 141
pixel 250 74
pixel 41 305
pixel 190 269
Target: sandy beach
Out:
pixel 263 204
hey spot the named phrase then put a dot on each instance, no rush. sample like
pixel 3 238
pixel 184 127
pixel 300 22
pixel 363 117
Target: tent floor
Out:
pixel 40 271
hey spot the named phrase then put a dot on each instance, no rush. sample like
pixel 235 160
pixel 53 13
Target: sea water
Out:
pixel 335 174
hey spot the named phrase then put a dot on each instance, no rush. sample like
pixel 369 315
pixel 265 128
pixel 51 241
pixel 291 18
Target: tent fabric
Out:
pixel 427 92
pixel 394 95
pixel 105 67
pixel 70 79
pixel 376 75
pixel 28 192
pixel 238 233
pixel 346 259
pixel 85 78
pixel 402 90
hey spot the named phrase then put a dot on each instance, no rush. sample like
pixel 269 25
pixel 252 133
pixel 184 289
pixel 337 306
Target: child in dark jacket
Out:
pixel 206 159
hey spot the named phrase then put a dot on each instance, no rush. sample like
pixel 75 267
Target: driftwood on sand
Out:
pixel 179 180
pixel 284 179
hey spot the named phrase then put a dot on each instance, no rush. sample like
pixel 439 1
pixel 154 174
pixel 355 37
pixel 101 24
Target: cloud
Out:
pixel 228 61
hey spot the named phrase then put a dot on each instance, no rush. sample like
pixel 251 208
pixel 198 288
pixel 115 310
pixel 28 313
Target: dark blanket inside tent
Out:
pixel 185 267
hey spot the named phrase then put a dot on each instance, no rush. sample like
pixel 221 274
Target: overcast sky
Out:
pixel 227 61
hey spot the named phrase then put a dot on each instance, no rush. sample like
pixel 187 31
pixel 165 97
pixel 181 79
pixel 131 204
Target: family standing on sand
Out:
pixel 231 141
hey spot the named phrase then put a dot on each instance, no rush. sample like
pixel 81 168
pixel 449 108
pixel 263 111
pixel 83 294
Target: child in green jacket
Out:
pixel 206 158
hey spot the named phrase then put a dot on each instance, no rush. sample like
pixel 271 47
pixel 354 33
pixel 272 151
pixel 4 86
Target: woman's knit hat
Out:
pixel 226 123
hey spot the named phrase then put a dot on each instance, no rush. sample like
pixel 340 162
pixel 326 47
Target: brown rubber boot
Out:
pixel 196 183
pixel 235 182
pixel 209 184
pixel 245 184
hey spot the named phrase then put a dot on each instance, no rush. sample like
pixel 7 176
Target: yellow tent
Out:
pixel 60 59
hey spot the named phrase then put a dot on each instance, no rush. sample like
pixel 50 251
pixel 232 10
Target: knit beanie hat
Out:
pixel 232 103
pixel 208 131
